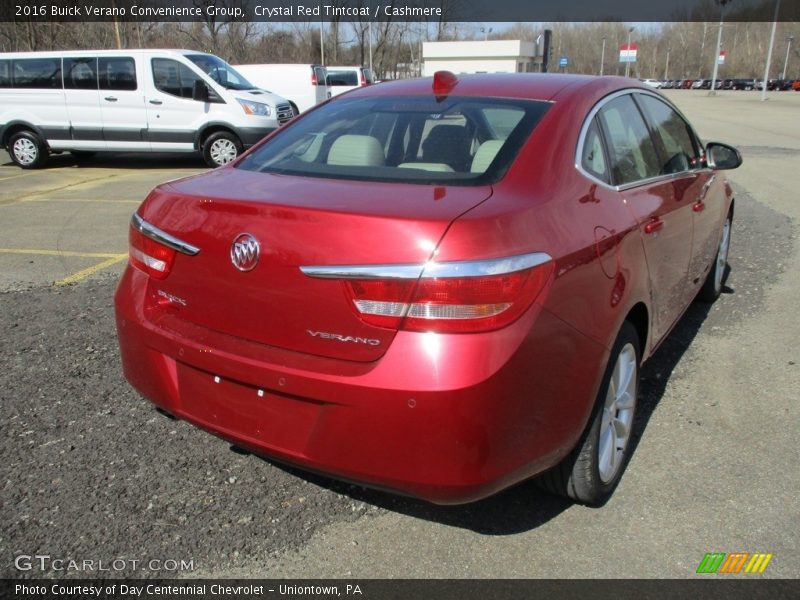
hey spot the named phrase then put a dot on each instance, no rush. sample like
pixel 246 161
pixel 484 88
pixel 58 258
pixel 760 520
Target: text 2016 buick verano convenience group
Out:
pixel 439 287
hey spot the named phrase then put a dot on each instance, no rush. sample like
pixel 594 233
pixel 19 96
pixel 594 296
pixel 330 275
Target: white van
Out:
pixel 303 85
pixel 344 79
pixel 130 100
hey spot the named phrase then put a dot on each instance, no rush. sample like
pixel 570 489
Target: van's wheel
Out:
pixel 221 148
pixel 295 110
pixel 712 286
pixel 27 150
pixel 593 469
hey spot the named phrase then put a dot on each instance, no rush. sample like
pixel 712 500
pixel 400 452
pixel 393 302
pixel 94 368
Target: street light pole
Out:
pixel 712 91
pixel 628 61
pixel 666 66
pixel 603 56
pixel 789 41
pixel 769 52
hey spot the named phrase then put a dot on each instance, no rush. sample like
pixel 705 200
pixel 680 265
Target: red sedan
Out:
pixel 439 286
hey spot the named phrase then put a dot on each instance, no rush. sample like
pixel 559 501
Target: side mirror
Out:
pixel 722 156
pixel 200 91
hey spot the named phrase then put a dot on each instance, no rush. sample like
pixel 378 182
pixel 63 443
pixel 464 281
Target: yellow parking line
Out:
pixel 15 176
pixel 60 253
pixel 91 270
pixel 97 200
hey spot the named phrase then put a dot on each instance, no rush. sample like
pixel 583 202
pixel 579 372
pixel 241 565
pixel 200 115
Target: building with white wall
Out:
pixel 492 56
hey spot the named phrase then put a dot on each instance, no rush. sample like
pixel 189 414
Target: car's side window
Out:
pixel 679 151
pixel 633 155
pixel 593 158
pixel 174 78
pixel 80 73
pixel 5 74
pixel 117 73
pixel 37 73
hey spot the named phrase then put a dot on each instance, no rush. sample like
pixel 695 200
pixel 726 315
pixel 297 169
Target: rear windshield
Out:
pixel 459 141
pixel 342 77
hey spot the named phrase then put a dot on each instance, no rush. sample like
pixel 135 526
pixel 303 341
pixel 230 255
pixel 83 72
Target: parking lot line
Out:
pixel 40 252
pixel 91 200
pixel 91 270
pixel 15 176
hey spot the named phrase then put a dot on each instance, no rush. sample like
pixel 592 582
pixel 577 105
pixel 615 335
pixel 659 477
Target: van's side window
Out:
pixel 39 73
pixel 80 73
pixel 5 74
pixel 174 78
pixel 117 73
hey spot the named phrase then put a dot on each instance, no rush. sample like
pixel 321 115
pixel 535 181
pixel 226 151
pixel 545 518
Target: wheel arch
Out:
pixel 210 129
pixel 639 317
pixel 13 127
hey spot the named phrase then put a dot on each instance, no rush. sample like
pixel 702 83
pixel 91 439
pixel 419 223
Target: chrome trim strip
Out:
pixel 162 237
pixel 443 270
pixel 633 184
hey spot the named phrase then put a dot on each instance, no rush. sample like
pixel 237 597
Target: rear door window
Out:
pixel 632 152
pixel 37 73
pixel 80 73
pixel 117 73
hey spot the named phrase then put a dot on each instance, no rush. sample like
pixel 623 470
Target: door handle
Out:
pixel 110 98
pixel 156 102
pixel 699 206
pixel 706 187
pixel 654 225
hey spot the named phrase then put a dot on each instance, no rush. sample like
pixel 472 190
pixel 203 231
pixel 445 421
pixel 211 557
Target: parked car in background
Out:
pixel 344 79
pixel 438 286
pixel 653 83
pixel 303 85
pixel 88 101
pixel 744 84
pixel 796 85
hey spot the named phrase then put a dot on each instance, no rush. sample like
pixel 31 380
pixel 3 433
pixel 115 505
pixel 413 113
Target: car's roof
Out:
pixel 538 86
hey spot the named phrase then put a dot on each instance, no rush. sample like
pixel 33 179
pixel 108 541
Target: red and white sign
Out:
pixel 723 54
pixel 627 52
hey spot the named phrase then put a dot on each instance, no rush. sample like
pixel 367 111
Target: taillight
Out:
pixel 313 77
pixel 149 256
pixel 363 78
pixel 152 250
pixel 455 297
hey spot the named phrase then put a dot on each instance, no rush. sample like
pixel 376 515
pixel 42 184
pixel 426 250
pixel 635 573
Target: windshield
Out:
pixel 221 72
pixel 459 141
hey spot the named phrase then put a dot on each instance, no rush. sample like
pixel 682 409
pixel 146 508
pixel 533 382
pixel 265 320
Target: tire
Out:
pixel 294 108
pixel 591 472
pixel 221 148
pixel 712 286
pixel 27 150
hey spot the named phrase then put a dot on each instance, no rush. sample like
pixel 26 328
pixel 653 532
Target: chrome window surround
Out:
pixel 633 184
pixel 162 237
pixel 432 269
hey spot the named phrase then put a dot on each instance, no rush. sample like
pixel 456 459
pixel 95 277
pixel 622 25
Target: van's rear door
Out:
pixel 323 91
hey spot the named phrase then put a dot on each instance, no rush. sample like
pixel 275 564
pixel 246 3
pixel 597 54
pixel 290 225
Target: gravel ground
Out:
pixel 92 471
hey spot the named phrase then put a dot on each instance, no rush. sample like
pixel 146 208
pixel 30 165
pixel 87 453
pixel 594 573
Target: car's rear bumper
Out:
pixel 448 418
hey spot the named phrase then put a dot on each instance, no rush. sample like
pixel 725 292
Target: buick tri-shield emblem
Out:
pixel 245 252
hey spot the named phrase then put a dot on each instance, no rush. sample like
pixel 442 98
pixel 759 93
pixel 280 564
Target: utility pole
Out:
pixel 603 56
pixel 786 60
pixel 628 62
pixel 769 52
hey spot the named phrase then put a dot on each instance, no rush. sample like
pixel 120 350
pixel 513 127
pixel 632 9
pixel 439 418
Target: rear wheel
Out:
pixel 593 469
pixel 221 148
pixel 27 150
pixel 712 287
